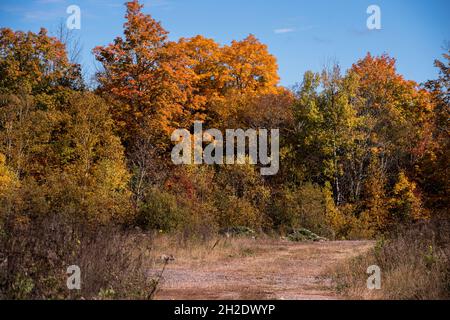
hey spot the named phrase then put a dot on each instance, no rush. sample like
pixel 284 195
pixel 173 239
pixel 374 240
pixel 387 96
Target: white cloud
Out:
pixel 283 30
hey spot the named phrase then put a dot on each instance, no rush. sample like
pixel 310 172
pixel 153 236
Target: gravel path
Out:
pixel 274 270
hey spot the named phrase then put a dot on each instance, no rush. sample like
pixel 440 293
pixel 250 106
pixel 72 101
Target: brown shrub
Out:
pixel 415 264
pixel 35 254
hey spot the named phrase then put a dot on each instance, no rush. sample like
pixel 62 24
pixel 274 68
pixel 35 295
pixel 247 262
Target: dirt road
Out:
pixel 263 270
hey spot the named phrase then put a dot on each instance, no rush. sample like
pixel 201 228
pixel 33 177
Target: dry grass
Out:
pixel 34 258
pixel 195 252
pixel 415 264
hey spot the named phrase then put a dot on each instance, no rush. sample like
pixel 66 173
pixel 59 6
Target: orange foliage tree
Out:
pixel 251 67
pixel 401 111
pixel 147 74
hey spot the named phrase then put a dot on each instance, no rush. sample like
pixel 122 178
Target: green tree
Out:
pixel 327 130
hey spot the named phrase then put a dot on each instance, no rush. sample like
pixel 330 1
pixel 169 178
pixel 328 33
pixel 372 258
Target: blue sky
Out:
pixel 302 34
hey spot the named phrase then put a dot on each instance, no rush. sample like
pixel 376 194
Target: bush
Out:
pixel 160 211
pixel 35 253
pixel 240 196
pixel 191 205
pixel 202 223
pixel 302 234
pixel 236 212
pixel 308 206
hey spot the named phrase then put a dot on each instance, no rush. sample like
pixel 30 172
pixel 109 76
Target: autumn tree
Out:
pixel 400 113
pixel 375 201
pixel 35 63
pixel 433 173
pixel 327 130
pixel 92 161
pixel 147 75
pixel 71 152
pixel 357 132
pixel 146 79
pixel 251 67
pixel 206 60
pixel 405 204
pixel 163 85
pixel 8 180
pixel 233 78
pixel 28 128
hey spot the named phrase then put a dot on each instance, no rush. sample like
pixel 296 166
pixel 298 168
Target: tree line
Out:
pixel 362 149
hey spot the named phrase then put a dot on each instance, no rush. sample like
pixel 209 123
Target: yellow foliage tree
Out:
pixel 405 204
pixel 8 179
